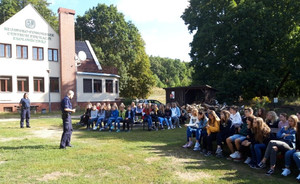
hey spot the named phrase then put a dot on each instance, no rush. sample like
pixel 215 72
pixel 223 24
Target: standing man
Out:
pixel 25 110
pixel 66 108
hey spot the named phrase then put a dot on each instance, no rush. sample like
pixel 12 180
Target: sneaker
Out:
pixel 190 144
pixel 261 165
pixel 219 150
pixel 186 145
pixel 112 127
pixel 254 166
pixel 169 128
pixel 285 172
pixel 101 129
pixel 298 177
pixel 233 155
pixel 95 128
pixel 269 172
pixel 238 155
pixel 118 130
pixel 208 154
pixel 248 160
pixel 197 146
pixel 180 126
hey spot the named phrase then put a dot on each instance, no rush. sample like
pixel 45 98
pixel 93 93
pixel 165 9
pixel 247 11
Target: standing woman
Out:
pixel 25 110
pixel 66 108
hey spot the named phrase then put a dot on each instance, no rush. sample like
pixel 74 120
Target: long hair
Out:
pixel 274 116
pixel 162 107
pixel 226 115
pixel 215 118
pixel 295 119
pixel 261 130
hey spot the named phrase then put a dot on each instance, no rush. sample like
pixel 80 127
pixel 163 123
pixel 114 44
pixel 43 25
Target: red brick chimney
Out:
pixel 67 52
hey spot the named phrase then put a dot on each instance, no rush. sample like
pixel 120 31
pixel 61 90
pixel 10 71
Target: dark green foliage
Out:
pixel 117 43
pixel 245 48
pixel 170 72
pixel 10 7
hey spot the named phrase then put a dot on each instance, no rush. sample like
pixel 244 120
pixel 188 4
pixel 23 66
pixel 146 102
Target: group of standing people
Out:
pixel 254 139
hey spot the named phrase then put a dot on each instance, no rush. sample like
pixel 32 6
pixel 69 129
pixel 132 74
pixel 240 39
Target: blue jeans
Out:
pixel 118 120
pixel 288 157
pixel 176 121
pixel 190 130
pixel 237 136
pixel 149 120
pixel 258 149
pixel 161 121
pixel 109 122
pixel 99 122
pixel 296 157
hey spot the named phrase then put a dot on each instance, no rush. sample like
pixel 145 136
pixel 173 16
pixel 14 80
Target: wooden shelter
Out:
pixel 190 94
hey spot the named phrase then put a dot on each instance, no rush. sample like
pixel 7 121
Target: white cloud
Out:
pixel 153 10
pixel 160 25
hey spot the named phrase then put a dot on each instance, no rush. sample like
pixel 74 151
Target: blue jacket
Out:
pixel 202 123
pixel 114 114
pixel 283 131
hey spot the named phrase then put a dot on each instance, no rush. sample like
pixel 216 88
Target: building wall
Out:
pixel 96 97
pixel 37 34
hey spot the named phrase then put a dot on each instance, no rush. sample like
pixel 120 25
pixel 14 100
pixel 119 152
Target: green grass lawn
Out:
pixel 32 156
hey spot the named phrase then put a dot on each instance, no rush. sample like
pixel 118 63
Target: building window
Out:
pixel 52 55
pixel 109 86
pixel 5 84
pixel 5 50
pixel 38 84
pixel 22 84
pixel 22 52
pixel 117 87
pixel 97 86
pixel 38 53
pixel 54 84
pixel 87 86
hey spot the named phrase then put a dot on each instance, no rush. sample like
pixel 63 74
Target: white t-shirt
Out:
pixel 236 119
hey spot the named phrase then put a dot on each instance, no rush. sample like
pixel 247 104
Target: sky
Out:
pixel 158 21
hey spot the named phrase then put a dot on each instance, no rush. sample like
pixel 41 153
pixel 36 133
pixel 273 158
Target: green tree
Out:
pixel 244 48
pixel 117 43
pixel 170 72
pixel 10 7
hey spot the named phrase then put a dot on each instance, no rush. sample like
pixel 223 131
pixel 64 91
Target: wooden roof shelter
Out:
pixel 190 94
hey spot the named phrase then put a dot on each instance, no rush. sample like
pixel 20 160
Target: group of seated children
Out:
pixel 109 117
pixel 103 116
pixel 255 139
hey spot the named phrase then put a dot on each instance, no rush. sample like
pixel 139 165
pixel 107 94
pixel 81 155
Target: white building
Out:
pixel 36 59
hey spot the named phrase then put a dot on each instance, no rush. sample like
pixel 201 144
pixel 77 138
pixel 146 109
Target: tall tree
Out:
pixel 244 48
pixel 10 7
pixel 117 43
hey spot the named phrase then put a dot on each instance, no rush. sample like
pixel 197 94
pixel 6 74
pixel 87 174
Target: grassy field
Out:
pixel 32 156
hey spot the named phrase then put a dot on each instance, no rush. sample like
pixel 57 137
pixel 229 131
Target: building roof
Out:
pixel 91 64
pixel 193 87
